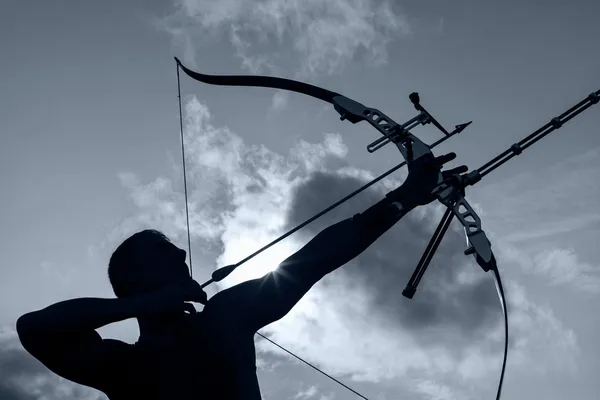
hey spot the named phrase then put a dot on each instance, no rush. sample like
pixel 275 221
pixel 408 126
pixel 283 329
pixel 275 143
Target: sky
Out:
pixel 91 153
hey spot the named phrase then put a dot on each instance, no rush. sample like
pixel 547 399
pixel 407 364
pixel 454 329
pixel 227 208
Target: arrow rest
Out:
pixel 400 134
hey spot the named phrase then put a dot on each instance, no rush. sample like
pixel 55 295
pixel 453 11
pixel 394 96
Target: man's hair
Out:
pixel 123 262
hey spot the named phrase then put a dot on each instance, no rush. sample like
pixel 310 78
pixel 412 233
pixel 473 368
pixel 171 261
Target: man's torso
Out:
pixel 211 360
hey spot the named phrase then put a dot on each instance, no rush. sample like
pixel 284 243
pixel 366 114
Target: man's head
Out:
pixel 144 262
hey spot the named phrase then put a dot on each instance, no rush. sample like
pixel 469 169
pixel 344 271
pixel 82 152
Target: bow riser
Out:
pixel 409 145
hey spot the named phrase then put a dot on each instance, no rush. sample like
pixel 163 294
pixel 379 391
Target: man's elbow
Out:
pixel 24 324
pixel 27 329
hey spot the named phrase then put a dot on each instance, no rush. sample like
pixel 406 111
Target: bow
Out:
pixel 450 193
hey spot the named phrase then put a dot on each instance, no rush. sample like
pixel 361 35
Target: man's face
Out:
pixel 162 264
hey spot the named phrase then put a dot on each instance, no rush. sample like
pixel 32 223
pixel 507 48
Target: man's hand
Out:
pixel 423 175
pixel 171 299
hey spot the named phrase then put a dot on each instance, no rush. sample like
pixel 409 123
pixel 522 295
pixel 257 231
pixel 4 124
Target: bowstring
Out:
pixel 187 219
pixel 187 214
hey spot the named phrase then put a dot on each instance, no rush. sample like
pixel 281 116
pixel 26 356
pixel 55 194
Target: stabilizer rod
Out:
pixel 471 178
pixel 517 148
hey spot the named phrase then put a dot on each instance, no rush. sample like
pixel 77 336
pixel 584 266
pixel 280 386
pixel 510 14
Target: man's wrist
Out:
pixel 400 199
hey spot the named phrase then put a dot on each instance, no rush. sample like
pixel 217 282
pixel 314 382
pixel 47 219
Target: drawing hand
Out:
pixel 174 298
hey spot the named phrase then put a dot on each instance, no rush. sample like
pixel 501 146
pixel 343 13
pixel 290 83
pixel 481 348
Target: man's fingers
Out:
pixel 203 298
pixel 200 297
pixel 189 307
pixel 443 159
pixel 194 292
pixel 457 170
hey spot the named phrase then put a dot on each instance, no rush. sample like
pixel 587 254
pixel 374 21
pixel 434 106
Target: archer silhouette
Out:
pixel 183 354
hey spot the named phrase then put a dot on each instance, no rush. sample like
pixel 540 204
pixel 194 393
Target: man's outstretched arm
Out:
pixel 261 301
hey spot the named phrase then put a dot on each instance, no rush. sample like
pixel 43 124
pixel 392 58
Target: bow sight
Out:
pixel 449 193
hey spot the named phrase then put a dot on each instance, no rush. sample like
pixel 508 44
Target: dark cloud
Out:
pixel 16 363
pixel 22 377
pixel 12 392
pixel 442 304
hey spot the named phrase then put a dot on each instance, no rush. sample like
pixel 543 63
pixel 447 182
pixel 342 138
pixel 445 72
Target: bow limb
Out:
pixel 409 145
pixel 261 81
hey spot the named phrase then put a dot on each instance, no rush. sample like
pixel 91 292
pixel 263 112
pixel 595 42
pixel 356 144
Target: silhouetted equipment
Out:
pixel 451 194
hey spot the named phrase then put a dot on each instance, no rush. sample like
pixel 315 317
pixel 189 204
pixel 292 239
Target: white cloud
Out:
pixel 307 394
pixel 279 100
pixel 434 390
pixel 314 37
pixel 542 344
pixel 561 267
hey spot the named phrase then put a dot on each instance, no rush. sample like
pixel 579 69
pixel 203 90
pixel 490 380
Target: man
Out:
pixel 182 354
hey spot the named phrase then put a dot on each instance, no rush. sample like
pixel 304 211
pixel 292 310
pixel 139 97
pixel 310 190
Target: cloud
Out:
pixel 562 267
pixel 541 208
pixel 558 199
pixel 307 394
pixel 313 37
pixel 355 322
pixel 434 390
